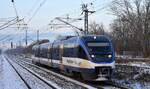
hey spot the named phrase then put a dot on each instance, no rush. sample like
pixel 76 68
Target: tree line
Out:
pixel 130 29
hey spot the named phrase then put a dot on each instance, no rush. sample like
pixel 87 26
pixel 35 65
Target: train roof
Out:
pixel 64 38
pixel 85 38
pixel 98 37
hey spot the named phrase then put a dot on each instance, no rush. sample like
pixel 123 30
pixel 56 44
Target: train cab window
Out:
pixel 81 53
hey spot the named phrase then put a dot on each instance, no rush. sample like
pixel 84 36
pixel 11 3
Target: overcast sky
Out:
pixel 54 8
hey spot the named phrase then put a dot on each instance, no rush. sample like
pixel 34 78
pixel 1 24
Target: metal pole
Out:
pixel 86 13
pixel 86 22
pixel 37 35
pixel 85 10
pixel 11 44
pixel 26 38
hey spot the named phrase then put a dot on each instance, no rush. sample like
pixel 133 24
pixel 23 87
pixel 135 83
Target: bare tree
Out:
pixel 132 26
pixel 97 29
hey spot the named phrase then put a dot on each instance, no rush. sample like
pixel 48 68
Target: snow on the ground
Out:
pixel 69 79
pixel 33 81
pixel 145 67
pixel 137 64
pixel 137 81
pixel 8 77
pixel 140 86
pixel 140 64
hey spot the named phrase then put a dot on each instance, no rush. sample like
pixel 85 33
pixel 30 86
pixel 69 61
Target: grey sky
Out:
pixel 51 9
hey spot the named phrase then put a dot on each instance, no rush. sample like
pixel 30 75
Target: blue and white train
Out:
pixel 90 57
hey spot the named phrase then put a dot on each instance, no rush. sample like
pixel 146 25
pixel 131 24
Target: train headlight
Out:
pixel 92 56
pixel 109 56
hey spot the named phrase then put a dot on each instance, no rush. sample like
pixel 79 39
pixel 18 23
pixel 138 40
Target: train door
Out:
pixel 49 54
pixel 61 51
pixel 55 55
pixel 39 54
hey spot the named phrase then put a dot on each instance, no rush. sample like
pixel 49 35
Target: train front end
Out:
pixel 100 57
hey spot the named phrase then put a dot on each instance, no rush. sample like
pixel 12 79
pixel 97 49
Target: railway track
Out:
pixel 65 80
pixel 51 86
pixel 96 84
pixel 27 85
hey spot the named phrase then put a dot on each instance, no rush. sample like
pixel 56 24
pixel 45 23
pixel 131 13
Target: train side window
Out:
pixel 81 53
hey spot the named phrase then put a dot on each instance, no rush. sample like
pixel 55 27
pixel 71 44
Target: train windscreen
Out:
pixel 98 47
pixel 100 51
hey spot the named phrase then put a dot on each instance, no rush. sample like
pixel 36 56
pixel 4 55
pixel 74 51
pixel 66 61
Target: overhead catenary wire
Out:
pixel 5 19
pixel 9 36
pixel 31 10
pixel 69 24
pixel 17 16
pixel 41 4
pixel 11 24
pixel 4 33
pixel 33 7
pixel 5 37
pixel 38 10
pixel 8 22
pixel 97 10
pixel 14 6
pixel 75 19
